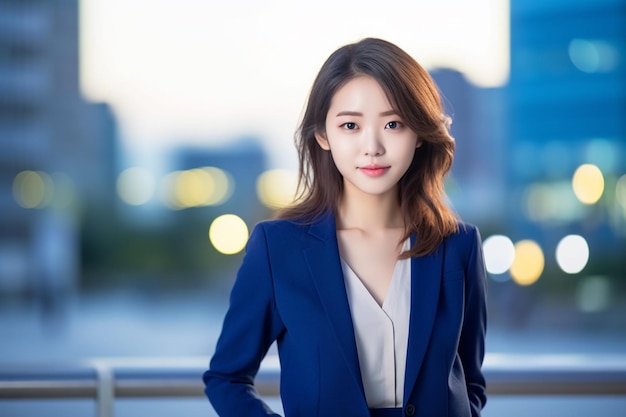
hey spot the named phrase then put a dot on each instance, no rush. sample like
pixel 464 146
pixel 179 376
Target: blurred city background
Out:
pixel 140 141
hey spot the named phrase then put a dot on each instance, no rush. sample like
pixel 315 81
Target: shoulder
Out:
pixel 278 226
pixel 280 231
pixel 279 239
pixel 465 232
pixel 468 230
pixel 465 240
pixel 462 250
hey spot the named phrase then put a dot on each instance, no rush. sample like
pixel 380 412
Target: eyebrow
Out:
pixel 356 113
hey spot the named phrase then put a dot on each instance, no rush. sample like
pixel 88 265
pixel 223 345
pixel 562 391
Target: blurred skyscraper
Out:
pixel 56 151
pixel 478 126
pixel 567 106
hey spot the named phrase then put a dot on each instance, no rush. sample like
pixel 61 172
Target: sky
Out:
pixel 207 72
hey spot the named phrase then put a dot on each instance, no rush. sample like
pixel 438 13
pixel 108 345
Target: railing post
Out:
pixel 105 389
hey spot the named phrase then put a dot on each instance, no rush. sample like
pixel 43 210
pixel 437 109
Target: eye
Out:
pixel 349 125
pixel 393 125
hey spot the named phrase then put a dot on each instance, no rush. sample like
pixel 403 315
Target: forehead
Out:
pixel 361 92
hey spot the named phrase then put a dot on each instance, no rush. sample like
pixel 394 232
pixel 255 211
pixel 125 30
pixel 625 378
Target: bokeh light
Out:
pixel 224 186
pixel 276 188
pixel 207 186
pixel 136 186
pixel 499 253
pixel 553 201
pixel 228 234
pixel 588 183
pixel 572 254
pixel 593 294
pixel 593 55
pixel 193 187
pixel 33 189
pixel 528 264
pixel 168 191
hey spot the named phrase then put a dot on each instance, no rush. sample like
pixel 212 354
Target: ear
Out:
pixel 419 144
pixel 322 141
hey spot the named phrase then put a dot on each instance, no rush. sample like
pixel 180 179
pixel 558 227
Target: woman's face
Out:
pixel 370 145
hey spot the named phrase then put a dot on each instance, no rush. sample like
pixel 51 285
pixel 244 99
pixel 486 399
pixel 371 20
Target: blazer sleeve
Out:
pixel 472 341
pixel 250 326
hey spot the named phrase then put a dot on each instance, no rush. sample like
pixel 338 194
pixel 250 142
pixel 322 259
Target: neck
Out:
pixel 368 212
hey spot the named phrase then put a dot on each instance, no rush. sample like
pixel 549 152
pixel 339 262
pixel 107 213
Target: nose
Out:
pixel 372 143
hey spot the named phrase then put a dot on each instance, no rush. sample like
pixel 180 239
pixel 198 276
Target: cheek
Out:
pixel 405 157
pixel 408 157
pixel 341 148
pixel 340 158
pixel 406 147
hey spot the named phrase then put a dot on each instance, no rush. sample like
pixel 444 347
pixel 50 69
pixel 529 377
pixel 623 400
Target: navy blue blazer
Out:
pixel 290 288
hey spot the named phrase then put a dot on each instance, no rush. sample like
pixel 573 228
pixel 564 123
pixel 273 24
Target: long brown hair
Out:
pixel 414 95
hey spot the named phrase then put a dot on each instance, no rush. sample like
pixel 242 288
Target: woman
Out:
pixel 371 286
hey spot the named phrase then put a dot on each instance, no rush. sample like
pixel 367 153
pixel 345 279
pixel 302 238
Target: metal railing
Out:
pixel 107 379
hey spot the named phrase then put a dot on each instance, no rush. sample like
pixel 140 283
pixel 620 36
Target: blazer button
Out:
pixel 409 410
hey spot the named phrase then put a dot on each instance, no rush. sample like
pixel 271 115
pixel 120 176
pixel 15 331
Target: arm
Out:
pixel 250 327
pixel 472 342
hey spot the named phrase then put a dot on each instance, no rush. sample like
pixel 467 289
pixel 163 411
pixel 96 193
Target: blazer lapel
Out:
pixel 324 264
pixel 426 278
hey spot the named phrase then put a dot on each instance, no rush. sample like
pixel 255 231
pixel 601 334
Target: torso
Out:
pixel 372 257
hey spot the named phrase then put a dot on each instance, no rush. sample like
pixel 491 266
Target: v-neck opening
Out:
pixel 366 290
pixel 381 333
pixel 393 283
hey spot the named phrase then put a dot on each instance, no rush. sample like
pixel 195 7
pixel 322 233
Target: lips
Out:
pixel 374 170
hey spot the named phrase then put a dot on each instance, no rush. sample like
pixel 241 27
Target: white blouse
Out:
pixel 381 333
